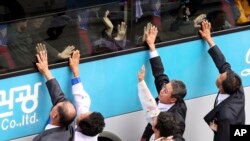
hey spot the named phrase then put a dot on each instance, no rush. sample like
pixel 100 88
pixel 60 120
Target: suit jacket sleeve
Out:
pixel 219 59
pixel 55 91
pixel 158 73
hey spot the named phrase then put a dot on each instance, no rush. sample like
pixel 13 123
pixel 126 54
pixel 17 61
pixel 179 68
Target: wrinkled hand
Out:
pixel 74 62
pixel 42 58
pixel 146 30
pixel 108 24
pixel 151 36
pixel 66 53
pixel 187 11
pixel 213 126
pixel 141 73
pixel 121 33
pixel 198 20
pixel 205 33
pixel 205 30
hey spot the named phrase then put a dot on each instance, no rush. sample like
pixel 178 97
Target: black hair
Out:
pixel 179 90
pixel 92 125
pixel 166 124
pixel 232 83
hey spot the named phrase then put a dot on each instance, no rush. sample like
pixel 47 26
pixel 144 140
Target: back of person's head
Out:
pixel 179 90
pixel 92 125
pixel 214 14
pixel 232 83
pixel 66 113
pixel 217 19
pixel 166 124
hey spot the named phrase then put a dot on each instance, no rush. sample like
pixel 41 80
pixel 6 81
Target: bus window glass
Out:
pixel 176 19
pixel 95 30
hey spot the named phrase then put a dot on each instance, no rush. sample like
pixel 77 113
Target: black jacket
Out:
pixel 59 133
pixel 179 109
pixel 231 110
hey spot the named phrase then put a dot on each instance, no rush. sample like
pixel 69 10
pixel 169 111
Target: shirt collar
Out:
pixel 81 137
pixel 164 107
pixel 50 126
pixel 221 97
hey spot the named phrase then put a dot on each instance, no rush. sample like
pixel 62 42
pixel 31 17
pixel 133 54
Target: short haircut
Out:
pixel 65 118
pixel 92 125
pixel 232 83
pixel 179 90
pixel 166 124
pixel 212 15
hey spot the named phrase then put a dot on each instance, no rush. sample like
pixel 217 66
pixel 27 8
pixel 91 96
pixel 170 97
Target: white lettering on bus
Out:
pixel 23 95
pixel 246 72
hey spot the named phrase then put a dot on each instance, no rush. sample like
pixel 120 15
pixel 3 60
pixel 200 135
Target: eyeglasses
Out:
pixel 164 89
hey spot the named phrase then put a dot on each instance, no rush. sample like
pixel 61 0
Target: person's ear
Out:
pixel 173 100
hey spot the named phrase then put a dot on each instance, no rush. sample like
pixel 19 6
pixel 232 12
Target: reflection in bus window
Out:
pixel 58 23
pixel 20 44
pixel 11 10
pixel 6 61
pixel 111 40
pixel 244 8
pixel 83 23
pixel 218 20
pixel 23 37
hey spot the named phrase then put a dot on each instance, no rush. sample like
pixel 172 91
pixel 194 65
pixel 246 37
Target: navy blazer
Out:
pixel 59 133
pixel 231 110
pixel 179 109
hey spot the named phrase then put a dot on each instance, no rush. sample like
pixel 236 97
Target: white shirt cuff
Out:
pixel 153 54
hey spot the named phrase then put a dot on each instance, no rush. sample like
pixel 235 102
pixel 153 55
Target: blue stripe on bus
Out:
pixel 112 82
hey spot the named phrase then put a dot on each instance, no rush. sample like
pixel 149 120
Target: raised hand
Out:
pixel 141 74
pixel 205 33
pixel 42 63
pixel 108 24
pixel 66 53
pixel 121 33
pixel 74 62
pixel 146 30
pixel 151 36
pixel 198 20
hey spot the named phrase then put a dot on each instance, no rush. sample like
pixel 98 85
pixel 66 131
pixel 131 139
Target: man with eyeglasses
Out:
pixel 170 93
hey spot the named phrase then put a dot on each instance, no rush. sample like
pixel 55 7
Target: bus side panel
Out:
pixel 112 82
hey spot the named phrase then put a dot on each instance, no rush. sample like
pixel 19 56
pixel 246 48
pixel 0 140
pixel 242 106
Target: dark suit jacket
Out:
pixel 60 133
pixel 179 109
pixel 231 110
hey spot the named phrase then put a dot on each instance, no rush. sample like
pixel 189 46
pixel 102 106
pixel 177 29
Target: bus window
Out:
pixel 6 61
pixel 103 27
pixel 175 19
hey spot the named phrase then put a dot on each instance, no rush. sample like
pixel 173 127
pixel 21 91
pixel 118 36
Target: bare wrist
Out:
pixel 152 47
pixel 211 43
pixel 141 79
pixel 48 75
pixel 76 74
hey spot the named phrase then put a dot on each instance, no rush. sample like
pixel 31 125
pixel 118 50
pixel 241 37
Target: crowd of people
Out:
pixel 19 38
pixel 166 114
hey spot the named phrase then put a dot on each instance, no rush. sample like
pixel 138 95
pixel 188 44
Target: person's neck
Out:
pixel 157 135
pixel 54 122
